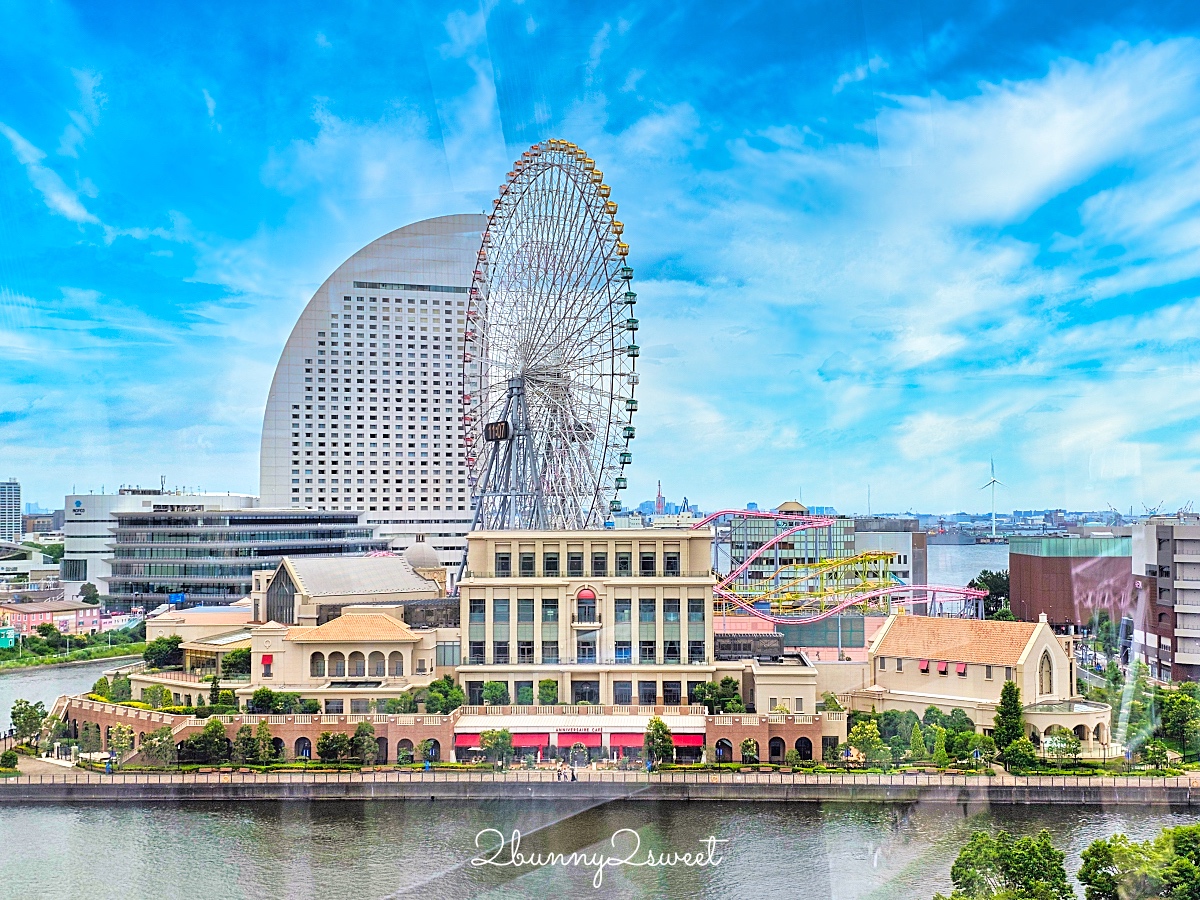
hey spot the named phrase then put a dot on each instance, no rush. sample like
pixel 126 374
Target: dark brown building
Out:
pixel 1070 579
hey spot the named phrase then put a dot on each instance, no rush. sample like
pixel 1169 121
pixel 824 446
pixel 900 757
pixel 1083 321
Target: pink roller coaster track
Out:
pixel 899 594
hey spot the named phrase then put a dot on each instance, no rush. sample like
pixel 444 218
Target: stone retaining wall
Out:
pixel 1175 793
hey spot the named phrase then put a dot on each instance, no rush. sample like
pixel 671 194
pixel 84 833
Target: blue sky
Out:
pixel 876 243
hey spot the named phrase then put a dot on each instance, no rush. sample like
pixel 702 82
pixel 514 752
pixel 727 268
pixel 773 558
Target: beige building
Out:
pixel 915 662
pixel 314 590
pixel 612 617
pixel 366 654
pixel 198 623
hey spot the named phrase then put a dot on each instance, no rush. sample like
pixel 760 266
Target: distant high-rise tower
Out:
pixel 364 413
pixel 660 503
pixel 10 510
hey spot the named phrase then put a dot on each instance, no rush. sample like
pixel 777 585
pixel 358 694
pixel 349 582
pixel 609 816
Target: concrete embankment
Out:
pixel 597 787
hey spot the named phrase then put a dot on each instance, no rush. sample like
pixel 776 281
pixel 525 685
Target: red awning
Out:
pixel 267 659
pixel 960 668
pixel 923 665
pixel 942 666
pixel 587 738
pixel 626 739
pixel 466 740
pixel 531 740
pixel 688 740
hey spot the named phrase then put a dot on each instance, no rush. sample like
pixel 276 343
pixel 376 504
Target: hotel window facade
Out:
pixel 616 615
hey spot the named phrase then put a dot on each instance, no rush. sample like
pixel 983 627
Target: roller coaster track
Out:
pixel 894 594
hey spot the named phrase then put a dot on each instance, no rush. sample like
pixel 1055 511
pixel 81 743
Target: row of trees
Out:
pixel 1004 867
pixel 47 640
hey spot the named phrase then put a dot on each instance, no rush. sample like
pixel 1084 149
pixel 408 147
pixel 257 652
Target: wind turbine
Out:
pixel 992 484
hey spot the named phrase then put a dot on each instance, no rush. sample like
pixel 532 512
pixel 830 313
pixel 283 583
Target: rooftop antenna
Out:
pixel 992 484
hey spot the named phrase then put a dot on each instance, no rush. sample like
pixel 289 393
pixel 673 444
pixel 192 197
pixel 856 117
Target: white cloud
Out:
pixel 59 198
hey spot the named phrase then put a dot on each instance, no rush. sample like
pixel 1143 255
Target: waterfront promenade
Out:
pixel 74 785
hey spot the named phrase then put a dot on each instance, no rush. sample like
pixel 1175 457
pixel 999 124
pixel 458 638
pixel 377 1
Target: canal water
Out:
pixel 396 849
pixel 46 683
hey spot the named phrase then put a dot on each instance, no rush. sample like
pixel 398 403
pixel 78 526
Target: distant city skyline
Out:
pixel 874 245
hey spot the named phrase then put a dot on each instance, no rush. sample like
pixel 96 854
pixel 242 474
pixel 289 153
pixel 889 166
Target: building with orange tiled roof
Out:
pixel 915 662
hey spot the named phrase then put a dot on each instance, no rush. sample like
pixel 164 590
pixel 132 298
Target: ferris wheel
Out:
pixel 550 358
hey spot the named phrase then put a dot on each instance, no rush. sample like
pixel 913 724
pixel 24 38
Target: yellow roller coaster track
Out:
pixel 816 585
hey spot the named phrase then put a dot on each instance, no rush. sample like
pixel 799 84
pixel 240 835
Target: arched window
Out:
pixel 337 665
pixel 804 748
pixel 303 748
pixel 775 749
pixel 358 665
pixel 376 664
pixel 1046 674
pixel 316 665
pixel 724 751
pixel 381 752
pixel 396 663
pixel 752 756
pixel 435 750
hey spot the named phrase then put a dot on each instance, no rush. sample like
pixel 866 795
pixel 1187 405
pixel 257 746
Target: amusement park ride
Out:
pixel 549 374
pixel 801 593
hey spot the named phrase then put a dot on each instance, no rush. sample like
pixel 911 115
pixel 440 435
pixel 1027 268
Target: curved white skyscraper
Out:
pixel 364 410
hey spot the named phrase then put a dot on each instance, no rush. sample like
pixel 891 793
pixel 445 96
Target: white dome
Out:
pixel 421 556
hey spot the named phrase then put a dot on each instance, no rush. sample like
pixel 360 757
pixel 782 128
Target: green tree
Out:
pixel 444 696
pixel 1168 866
pixel 362 745
pixel 749 749
pixel 1062 746
pixel 159 745
pixel 792 758
pixel 261 701
pixel 424 750
pixel 864 737
pixel 163 652
pixel 332 746
pixel 1178 708
pixel 8 759
pixel 1008 868
pixel 236 662
pixel 1020 755
pixel 89 738
pixel 917 750
pixel 121 690
pixel 495 693
pixel 120 740
pixel 525 695
pixel 498 743
pixel 996 584
pixel 265 741
pixel 1009 723
pixel 658 743
pixel 941 758
pixel 88 593
pixel 985 744
pixel 245 746
pixel 830 701
pixel 212 742
pixel 156 696
pixel 227 699
pixel 27 719
pixel 1154 753
pixel 101 688
pixel 547 692
pixel 1003 615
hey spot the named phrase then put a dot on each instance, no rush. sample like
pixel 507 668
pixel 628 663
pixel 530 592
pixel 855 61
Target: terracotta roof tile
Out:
pixel 956 640
pixel 354 628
